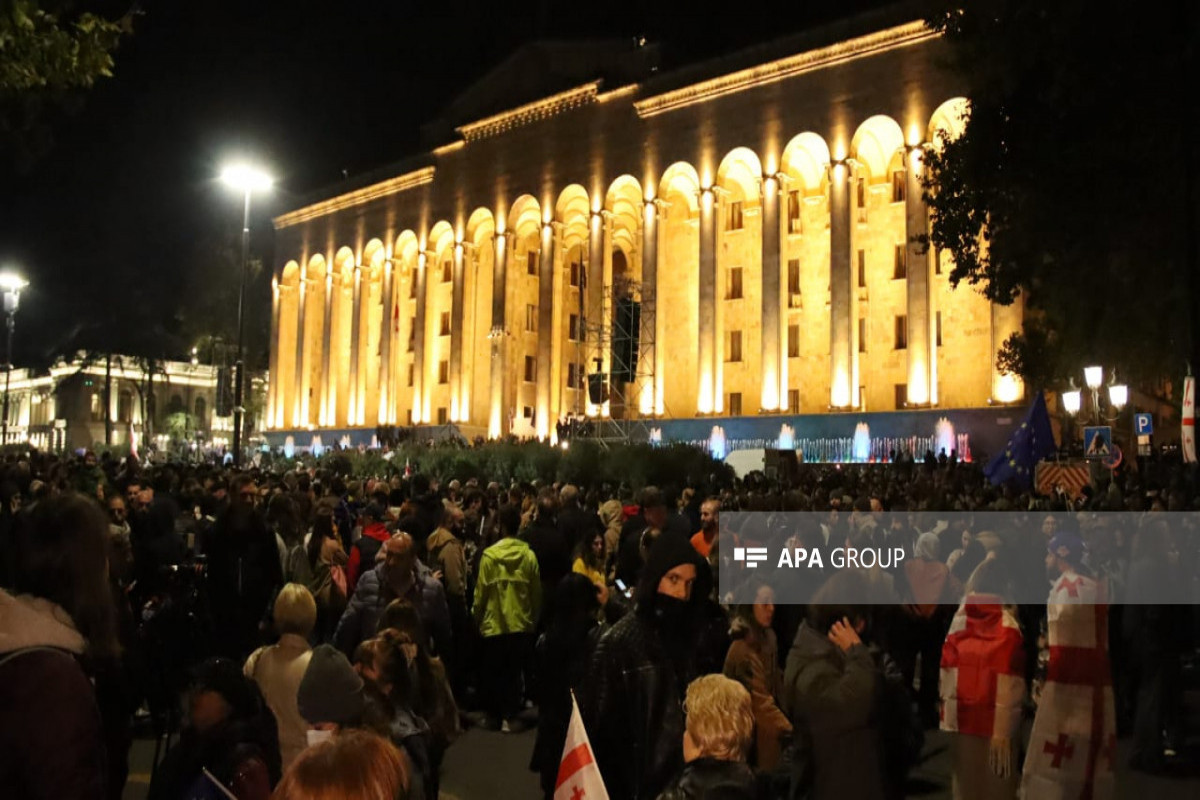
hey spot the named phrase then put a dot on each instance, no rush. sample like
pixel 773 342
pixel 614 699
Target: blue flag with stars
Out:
pixel 1029 444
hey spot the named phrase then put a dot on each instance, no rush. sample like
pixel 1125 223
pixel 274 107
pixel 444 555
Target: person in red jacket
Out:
pixel 374 533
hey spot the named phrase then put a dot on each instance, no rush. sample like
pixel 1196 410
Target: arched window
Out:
pixel 175 406
pixel 125 406
pixel 201 412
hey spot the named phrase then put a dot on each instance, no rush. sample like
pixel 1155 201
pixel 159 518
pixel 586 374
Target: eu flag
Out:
pixel 1029 444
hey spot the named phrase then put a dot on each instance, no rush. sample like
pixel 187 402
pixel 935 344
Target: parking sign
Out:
pixel 1144 424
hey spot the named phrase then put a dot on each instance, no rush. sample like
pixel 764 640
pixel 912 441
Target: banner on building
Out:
pixel 1188 427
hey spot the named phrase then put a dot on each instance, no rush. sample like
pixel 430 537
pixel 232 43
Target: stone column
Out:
pixel 328 412
pixel 386 335
pixel 354 413
pixel 772 355
pixel 545 330
pixel 419 381
pixel 707 317
pixel 607 307
pixel 497 425
pixel 594 300
pixel 557 330
pixel 274 418
pixel 841 289
pixel 300 383
pixel 649 324
pixel 456 334
pixel 921 346
pixel 720 196
pixel 470 332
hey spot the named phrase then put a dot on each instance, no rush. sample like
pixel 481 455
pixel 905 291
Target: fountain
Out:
pixel 374 441
pixel 787 437
pixel 345 442
pixel 862 442
pixel 716 443
pixel 289 447
pixel 318 447
pixel 656 436
pixel 943 434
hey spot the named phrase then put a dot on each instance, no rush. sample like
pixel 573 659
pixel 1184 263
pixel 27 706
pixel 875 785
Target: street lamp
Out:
pixel 246 179
pixel 1118 395
pixel 1072 401
pixel 11 285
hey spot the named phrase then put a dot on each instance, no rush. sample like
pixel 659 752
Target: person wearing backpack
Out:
pixel 327 562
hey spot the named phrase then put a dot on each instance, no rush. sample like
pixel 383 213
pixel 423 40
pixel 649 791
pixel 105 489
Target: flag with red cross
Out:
pixel 1071 746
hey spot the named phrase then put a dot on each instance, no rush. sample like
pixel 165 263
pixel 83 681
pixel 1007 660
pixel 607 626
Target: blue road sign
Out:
pixel 1097 441
pixel 1144 424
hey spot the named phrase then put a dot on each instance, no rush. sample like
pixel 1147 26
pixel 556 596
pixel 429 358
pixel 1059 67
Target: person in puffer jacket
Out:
pixel 508 599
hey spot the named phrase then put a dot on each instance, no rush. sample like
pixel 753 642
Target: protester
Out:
pixel 59 620
pixel 753 662
pixel 633 704
pixel 833 689
pixel 719 732
pixel 279 668
pixel 710 523
pixel 983 689
pixel 358 765
pixel 327 564
pixel 362 553
pixel 589 562
pixel 401 576
pixel 230 744
pixel 508 600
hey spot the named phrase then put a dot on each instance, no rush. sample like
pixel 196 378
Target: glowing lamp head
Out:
pixel 246 178
pixel 11 285
pixel 1093 377
pixel 1072 401
pixel 1118 395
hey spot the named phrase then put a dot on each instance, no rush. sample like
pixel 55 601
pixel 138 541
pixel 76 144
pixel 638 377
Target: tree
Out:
pixel 1072 183
pixel 49 51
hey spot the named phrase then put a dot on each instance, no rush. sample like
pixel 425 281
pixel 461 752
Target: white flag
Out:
pixel 1188 427
pixel 578 776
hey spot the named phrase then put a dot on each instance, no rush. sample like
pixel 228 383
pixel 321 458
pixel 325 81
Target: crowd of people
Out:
pixel 303 634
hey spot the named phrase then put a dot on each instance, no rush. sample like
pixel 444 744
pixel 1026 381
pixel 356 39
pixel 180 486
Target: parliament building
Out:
pixel 590 235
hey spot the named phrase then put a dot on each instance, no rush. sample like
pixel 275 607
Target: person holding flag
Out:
pixel 1072 746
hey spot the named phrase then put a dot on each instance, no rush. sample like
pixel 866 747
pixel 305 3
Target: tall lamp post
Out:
pixel 11 284
pixel 1118 396
pixel 246 179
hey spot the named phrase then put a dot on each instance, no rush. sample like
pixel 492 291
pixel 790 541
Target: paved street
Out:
pixel 485 764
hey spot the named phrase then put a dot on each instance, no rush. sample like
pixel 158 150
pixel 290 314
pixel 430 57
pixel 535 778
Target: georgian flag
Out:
pixel 983 670
pixel 578 776
pixel 1189 420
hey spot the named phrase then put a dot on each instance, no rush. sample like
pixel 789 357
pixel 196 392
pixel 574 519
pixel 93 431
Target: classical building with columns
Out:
pixel 760 212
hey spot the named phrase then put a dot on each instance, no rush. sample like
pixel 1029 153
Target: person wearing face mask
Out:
pixel 401 576
pixel 753 661
pixel 632 702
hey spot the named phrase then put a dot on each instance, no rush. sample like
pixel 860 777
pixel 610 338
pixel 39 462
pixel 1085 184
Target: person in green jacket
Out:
pixel 508 599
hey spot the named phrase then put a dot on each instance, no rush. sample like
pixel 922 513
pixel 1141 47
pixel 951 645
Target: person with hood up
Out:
pixel 632 702
pixel 401 576
pixel 983 688
pixel 508 599
pixel 230 745
pixel 753 662
pixel 363 552
pixel 59 619
pixel 833 691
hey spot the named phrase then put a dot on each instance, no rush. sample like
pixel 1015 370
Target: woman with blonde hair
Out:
pixel 716 741
pixel 279 668
pixel 357 765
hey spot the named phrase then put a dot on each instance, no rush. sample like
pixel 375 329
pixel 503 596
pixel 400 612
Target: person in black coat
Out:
pixel 563 652
pixel 632 701
pixel 244 572
pixel 550 547
pixel 574 521
pixel 720 728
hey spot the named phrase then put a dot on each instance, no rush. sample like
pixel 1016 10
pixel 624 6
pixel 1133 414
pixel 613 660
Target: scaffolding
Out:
pixel 621 355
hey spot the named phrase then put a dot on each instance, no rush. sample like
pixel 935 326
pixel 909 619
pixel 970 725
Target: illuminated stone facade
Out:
pixel 764 207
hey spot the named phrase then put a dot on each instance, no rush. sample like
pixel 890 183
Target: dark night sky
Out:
pixel 102 223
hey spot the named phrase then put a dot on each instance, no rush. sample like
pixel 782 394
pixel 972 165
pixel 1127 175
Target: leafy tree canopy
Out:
pixel 1072 183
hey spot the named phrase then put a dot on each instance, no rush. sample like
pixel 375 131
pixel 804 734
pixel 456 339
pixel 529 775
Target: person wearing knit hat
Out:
pixel 331 692
pixel 1068 546
pixel 633 697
